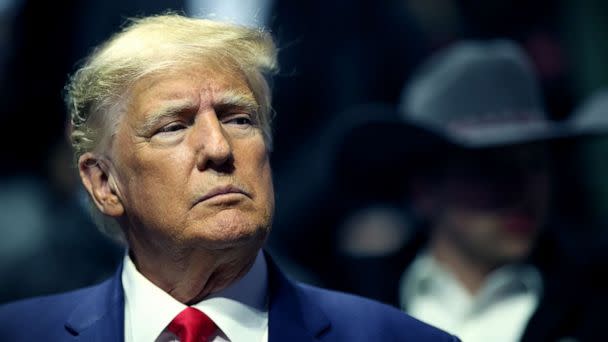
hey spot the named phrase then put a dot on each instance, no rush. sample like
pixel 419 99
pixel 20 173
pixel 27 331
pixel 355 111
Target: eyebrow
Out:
pixel 168 111
pixel 232 98
pixel 173 109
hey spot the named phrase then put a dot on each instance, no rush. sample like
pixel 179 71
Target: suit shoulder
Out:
pixel 55 301
pixel 14 316
pixel 370 317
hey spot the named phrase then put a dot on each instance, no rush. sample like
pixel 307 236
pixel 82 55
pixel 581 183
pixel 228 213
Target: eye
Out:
pixel 171 128
pixel 240 120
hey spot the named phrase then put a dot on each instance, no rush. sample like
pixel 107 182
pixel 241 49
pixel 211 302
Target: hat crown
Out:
pixel 474 82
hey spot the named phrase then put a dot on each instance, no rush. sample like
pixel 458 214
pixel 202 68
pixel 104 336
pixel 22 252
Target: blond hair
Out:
pixel 96 93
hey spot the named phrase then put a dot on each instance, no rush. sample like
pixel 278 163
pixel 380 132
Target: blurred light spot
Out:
pixel 22 220
pixel 252 13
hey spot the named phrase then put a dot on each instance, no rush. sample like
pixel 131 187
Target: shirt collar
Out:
pixel 425 275
pixel 240 310
pixel 418 279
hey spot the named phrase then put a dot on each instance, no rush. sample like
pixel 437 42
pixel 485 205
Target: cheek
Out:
pixel 259 174
pixel 476 225
pixel 153 180
pixel 161 166
pixel 268 185
pixel 264 173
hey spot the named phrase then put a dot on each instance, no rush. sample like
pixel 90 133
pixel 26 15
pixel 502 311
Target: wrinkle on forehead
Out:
pixel 208 68
pixel 161 96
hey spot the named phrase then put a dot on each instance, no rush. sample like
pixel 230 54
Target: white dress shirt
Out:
pixel 499 312
pixel 240 311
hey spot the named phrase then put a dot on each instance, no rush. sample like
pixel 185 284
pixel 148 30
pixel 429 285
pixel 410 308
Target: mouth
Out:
pixel 220 191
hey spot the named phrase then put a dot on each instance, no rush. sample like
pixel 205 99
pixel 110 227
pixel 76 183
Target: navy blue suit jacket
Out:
pixel 297 312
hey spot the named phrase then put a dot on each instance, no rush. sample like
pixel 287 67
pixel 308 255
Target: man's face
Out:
pixel 493 203
pixel 190 162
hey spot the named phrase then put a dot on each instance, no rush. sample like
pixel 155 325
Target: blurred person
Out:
pixel 171 131
pixel 373 229
pixel 367 241
pixel 316 205
pixel 370 227
pixel 50 243
pixel 488 262
pixel 487 271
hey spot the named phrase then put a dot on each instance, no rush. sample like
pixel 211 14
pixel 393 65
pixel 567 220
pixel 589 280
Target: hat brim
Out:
pixel 504 135
pixel 394 149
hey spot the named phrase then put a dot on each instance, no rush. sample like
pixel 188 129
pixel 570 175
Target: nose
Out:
pixel 212 143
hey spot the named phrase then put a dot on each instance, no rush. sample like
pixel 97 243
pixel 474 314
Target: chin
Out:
pixel 515 252
pixel 223 234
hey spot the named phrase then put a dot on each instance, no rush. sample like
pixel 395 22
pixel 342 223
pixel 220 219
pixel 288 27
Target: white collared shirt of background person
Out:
pixel 499 312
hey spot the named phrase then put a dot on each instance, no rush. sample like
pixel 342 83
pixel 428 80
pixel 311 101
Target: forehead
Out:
pixel 194 85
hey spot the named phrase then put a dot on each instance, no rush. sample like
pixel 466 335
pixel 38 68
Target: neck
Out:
pixel 469 270
pixel 191 274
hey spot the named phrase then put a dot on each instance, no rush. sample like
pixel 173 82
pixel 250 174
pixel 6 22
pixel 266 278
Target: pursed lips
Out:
pixel 221 190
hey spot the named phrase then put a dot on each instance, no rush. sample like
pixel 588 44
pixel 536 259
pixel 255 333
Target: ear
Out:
pixel 100 185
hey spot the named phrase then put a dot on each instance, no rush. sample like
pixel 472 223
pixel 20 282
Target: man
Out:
pixel 478 177
pixel 171 131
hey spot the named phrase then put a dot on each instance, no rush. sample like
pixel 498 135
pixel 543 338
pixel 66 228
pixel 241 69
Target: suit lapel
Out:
pixel 292 315
pixel 99 316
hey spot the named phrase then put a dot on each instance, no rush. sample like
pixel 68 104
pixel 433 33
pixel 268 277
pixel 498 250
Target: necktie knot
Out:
pixel 192 325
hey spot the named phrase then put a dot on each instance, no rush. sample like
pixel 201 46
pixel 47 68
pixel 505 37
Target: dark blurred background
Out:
pixel 335 57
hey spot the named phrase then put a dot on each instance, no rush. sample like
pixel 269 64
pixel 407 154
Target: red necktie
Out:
pixel 192 325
